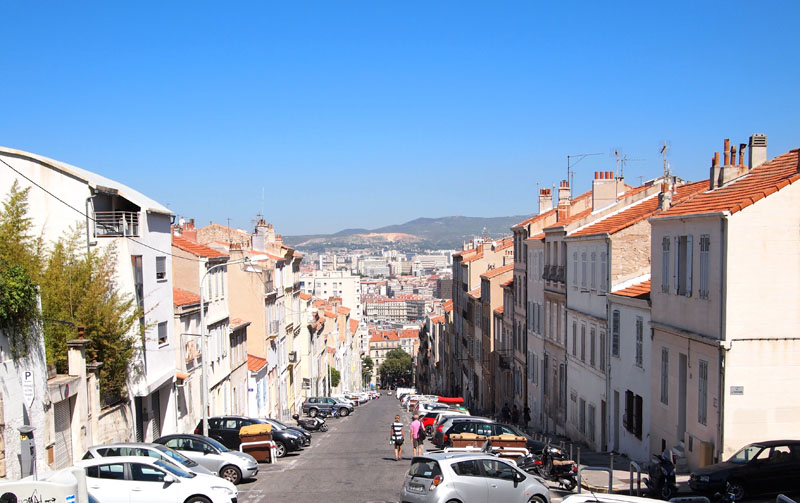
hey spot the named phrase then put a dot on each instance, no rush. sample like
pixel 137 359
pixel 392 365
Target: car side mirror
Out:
pixel 206 450
pixel 169 479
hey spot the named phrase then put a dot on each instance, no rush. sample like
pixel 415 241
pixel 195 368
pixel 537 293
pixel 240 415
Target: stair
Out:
pixel 679 456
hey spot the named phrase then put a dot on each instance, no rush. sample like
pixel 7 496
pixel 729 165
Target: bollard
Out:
pixel 611 474
pixel 578 463
pixel 570 451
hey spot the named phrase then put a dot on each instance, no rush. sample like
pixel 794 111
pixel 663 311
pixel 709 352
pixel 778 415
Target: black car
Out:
pixel 758 468
pixel 440 438
pixel 488 429
pixel 277 425
pixel 225 430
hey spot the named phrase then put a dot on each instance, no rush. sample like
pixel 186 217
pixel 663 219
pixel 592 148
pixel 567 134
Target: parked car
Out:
pixel 758 468
pixel 277 425
pixel 314 404
pixel 590 497
pixel 429 419
pixel 423 407
pixel 152 450
pixel 343 399
pixel 233 466
pixel 440 438
pixel 141 478
pixel 225 430
pixel 469 478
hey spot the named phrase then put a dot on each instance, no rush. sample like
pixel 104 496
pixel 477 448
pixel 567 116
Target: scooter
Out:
pixel 661 481
pixel 555 466
pixel 323 414
pixel 311 424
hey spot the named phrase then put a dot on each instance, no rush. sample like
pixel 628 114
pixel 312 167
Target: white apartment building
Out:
pixel 327 284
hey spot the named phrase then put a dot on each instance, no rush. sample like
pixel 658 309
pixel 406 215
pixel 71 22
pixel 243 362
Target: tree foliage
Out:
pixel 396 368
pixel 367 365
pixel 335 377
pixel 20 261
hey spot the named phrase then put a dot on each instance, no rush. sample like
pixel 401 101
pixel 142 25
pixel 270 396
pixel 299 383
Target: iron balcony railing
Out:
pixel 116 223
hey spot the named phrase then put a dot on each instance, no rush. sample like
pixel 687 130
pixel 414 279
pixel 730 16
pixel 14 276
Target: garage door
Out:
pixel 63 444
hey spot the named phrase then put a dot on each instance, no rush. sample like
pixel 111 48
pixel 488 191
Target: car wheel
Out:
pixel 343 412
pixel 197 499
pixel 323 428
pixel 280 449
pixel 736 489
pixel 231 474
pixel 536 499
pixel 667 492
pixel 429 431
pixel 312 412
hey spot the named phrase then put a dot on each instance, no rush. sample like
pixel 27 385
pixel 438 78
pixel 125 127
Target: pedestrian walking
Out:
pixel 396 438
pixel 515 415
pixel 416 439
pixel 505 413
pixel 526 415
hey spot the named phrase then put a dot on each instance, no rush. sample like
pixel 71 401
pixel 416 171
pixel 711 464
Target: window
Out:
pixel 583 269
pixel 574 339
pixel 665 264
pixel 705 245
pixel 592 341
pixel 665 376
pixel 591 422
pixel 683 265
pixel 602 351
pixel 575 269
pixel 633 414
pixel 562 387
pixel 545 372
pixel 138 280
pixel 603 273
pixel 496 469
pixel 702 394
pixel 639 341
pixel 615 333
pixel 161 268
pixel 582 412
pixel 583 343
pixel 144 473
pixel 467 469
pixel 594 271
pixel 162 333
pixel 114 471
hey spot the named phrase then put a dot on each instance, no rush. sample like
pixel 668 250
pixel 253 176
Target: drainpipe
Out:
pixel 609 398
pixel 723 300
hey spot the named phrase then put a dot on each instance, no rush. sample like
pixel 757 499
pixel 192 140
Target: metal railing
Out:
pixel 116 223
pixel 638 468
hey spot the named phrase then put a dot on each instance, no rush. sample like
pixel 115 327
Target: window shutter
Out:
pixel 675 282
pixel 689 255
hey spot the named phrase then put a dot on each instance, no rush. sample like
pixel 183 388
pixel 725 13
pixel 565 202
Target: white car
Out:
pixel 122 479
pixel 341 398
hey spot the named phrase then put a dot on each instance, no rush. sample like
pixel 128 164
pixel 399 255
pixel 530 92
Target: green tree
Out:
pixel 80 288
pixel 396 368
pixel 20 263
pixel 367 365
pixel 335 377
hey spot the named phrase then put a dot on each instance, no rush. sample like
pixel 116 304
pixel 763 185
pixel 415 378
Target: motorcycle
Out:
pixel 556 467
pixel 661 480
pixel 331 413
pixel 311 424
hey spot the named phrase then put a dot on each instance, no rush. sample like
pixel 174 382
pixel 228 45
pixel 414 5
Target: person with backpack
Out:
pixel 417 435
pixel 396 438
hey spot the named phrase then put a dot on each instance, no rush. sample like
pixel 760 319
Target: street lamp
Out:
pixel 204 377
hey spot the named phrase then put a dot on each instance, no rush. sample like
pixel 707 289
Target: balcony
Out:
pixel 272 329
pixel 546 274
pixel 561 274
pixel 116 223
pixel 292 358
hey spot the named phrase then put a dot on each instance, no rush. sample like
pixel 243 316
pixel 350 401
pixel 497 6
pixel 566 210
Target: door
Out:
pixel 155 405
pixel 616 421
pixel 603 426
pixel 470 483
pixel 107 483
pixel 63 440
pixel 147 484
pixel 682 364
pixel 500 481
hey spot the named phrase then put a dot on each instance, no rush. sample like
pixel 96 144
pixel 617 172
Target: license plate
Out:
pixel 414 488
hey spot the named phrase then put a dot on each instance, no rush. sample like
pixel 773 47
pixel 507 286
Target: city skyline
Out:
pixel 325 109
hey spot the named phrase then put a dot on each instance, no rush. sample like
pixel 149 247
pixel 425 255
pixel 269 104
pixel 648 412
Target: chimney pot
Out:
pixel 596 175
pixel 725 152
pixel 733 155
pixel 742 146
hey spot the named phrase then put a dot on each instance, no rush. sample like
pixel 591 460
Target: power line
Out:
pixel 90 218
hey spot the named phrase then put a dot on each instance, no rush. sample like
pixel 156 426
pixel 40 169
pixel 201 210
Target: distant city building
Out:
pixel 327 284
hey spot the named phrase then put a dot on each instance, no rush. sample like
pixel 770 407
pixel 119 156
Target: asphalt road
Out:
pixel 351 462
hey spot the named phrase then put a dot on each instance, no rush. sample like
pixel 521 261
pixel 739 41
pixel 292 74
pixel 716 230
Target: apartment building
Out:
pixel 325 284
pixel 725 308
pixel 491 298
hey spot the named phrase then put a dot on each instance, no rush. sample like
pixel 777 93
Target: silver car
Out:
pixel 157 451
pixel 233 466
pixel 469 478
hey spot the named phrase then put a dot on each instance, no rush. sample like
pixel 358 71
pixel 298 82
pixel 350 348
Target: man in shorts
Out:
pixel 416 425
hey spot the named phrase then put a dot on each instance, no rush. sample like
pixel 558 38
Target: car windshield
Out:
pixel 746 454
pixel 276 425
pixel 425 468
pixel 173 469
pixel 177 456
pixel 217 445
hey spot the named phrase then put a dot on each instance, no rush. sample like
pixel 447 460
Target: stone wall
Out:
pixel 115 424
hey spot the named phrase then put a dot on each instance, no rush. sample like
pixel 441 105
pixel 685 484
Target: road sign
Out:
pixel 28 390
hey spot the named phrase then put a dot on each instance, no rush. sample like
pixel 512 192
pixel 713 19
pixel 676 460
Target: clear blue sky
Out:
pixel 368 114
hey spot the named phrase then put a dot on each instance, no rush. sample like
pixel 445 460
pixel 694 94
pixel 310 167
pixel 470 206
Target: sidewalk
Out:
pixel 597 480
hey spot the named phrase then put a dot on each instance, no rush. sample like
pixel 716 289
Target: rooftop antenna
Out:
pixel 579 158
pixel 621 160
pixel 663 153
pixel 262 200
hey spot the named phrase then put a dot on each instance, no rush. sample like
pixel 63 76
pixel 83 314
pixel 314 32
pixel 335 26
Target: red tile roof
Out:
pixel 638 211
pixel 475 292
pixel 330 314
pixel 353 326
pixel 537 237
pixel 331 350
pixel 409 333
pixel 343 310
pixel 508 283
pixel 448 305
pixel 255 363
pixel 499 310
pixel 637 291
pixel 536 218
pixel 497 271
pixel 437 319
pixel 237 323
pixel 740 193
pixel 184 298
pixel 305 296
pixel 195 248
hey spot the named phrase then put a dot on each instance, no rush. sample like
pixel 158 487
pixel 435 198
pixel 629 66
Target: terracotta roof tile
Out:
pixel 499 310
pixel 475 292
pixel 637 291
pixel 740 193
pixel 237 323
pixel 638 211
pixel 508 283
pixel 343 310
pixel 195 248
pixel 409 333
pixel 330 314
pixel 305 296
pixel 255 363
pixel 551 212
pixel 184 298
pixel 353 326
pixel 497 271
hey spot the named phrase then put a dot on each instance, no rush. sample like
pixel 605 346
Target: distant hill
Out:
pixel 421 233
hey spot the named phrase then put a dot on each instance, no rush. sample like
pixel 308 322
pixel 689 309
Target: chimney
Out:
pixel 260 236
pixel 545 200
pixel 665 196
pixel 563 201
pixel 730 170
pixel 758 150
pixel 604 189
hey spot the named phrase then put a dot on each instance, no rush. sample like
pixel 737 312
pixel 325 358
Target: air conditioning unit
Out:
pixel 292 356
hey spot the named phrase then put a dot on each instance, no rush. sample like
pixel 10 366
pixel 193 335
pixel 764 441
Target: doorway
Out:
pixel 682 368
pixel 616 421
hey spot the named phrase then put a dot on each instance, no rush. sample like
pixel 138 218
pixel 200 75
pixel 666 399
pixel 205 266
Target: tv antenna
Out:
pixel 663 153
pixel 579 158
pixel 621 160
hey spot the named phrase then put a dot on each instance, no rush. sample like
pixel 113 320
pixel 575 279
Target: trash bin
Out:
pixel 508 446
pixel 461 440
pixel 256 440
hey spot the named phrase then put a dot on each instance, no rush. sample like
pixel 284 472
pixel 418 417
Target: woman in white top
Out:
pixel 396 437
